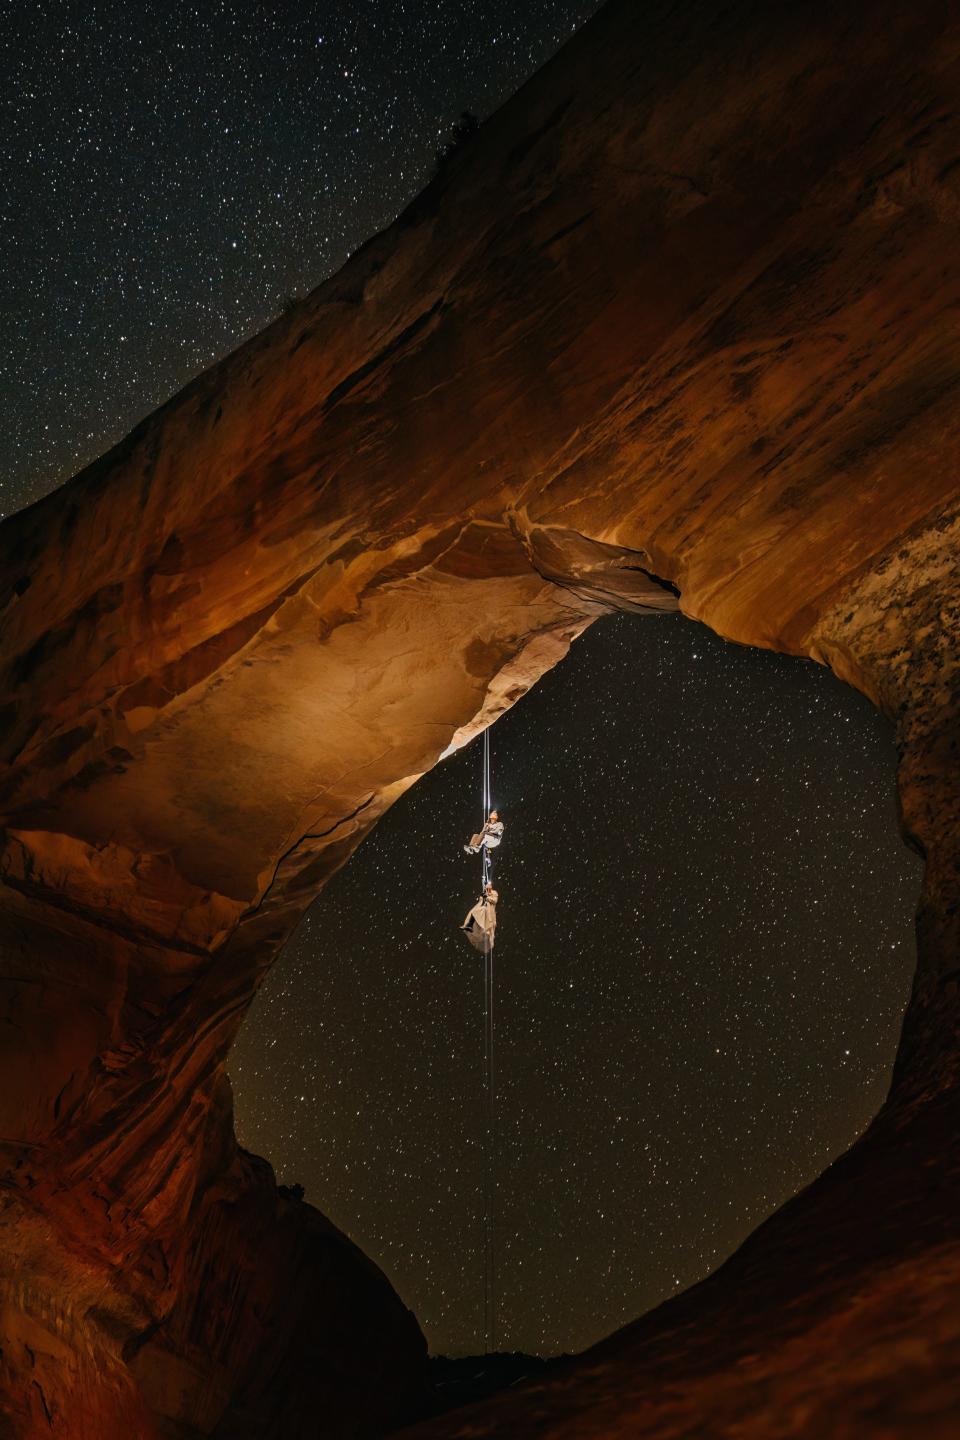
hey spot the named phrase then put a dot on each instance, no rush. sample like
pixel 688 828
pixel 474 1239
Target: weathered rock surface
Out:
pixel 682 318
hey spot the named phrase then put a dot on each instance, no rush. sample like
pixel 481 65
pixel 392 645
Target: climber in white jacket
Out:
pixel 490 836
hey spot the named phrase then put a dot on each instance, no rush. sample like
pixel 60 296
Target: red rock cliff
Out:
pixel 681 318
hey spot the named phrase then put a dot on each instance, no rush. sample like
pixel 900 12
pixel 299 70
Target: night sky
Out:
pixel 705 932
pixel 172 172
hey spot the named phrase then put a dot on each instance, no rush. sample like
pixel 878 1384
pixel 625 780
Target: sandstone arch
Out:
pixel 681 319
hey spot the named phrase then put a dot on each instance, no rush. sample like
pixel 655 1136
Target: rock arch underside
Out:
pixel 682 319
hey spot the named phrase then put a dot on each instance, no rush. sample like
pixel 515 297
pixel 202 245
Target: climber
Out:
pixel 480 926
pixel 490 835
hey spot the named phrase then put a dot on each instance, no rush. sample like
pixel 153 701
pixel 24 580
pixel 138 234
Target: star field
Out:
pixel 173 172
pixel 704 949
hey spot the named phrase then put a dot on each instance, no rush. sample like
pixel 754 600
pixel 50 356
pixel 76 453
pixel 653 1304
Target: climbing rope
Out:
pixel 484 850
pixel 489 1193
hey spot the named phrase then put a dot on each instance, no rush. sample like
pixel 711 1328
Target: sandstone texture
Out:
pixel 679 326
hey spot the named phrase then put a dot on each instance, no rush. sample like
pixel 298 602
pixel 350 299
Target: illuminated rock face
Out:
pixel 680 319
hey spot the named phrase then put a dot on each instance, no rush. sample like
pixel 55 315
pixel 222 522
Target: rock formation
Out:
pixel 680 320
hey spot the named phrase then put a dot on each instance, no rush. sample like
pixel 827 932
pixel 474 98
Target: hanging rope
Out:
pixel 489 1193
pixel 484 850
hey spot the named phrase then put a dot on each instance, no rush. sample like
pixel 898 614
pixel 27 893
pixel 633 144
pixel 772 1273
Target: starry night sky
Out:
pixel 705 934
pixel 173 172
